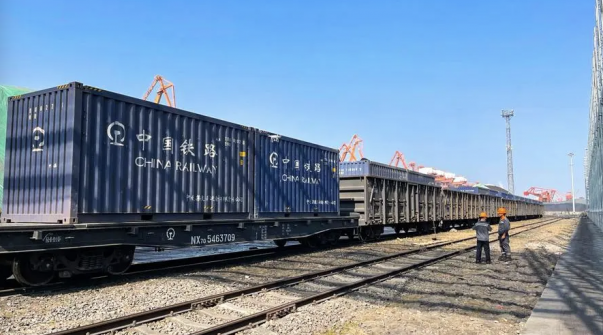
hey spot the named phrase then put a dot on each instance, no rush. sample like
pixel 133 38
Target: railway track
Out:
pixel 279 298
pixel 11 287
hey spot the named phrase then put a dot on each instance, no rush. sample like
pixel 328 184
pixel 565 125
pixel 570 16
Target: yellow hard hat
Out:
pixel 501 210
pixel 483 215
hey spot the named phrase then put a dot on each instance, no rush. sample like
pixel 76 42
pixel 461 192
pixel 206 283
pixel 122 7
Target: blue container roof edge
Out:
pixel 294 140
pixel 127 98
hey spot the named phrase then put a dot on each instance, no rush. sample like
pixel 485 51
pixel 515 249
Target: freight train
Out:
pixel 92 174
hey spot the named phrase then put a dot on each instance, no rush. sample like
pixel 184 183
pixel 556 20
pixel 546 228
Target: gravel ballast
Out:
pixel 41 313
pixel 455 296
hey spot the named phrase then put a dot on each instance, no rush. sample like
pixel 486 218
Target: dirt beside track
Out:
pixel 455 296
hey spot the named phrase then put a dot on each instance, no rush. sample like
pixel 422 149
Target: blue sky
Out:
pixel 428 78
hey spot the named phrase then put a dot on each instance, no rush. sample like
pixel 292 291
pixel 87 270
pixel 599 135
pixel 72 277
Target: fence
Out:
pixel 593 162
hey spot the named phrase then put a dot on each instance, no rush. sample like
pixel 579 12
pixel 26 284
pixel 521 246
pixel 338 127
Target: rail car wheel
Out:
pixel 5 272
pixel 350 234
pixel 367 233
pixel 280 243
pixel 124 256
pixel 378 231
pixel 333 237
pixel 33 270
pixel 309 242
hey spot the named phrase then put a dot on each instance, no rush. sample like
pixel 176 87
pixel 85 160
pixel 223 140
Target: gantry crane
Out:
pixel 356 143
pixel 414 167
pixel 543 194
pixel 398 158
pixel 164 86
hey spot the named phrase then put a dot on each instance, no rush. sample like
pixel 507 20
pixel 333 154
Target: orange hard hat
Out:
pixel 501 210
pixel 483 215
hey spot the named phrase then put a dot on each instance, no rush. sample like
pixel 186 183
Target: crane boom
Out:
pixel 543 194
pixel 164 86
pixel 350 148
pixel 398 158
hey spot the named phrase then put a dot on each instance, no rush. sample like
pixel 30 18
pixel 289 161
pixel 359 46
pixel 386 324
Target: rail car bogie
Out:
pixel 40 267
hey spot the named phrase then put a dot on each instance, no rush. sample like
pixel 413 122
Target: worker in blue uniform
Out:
pixel 503 235
pixel 482 231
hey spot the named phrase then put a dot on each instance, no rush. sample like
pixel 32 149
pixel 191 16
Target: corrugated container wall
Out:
pixel 80 154
pixel 293 176
pixel 5 93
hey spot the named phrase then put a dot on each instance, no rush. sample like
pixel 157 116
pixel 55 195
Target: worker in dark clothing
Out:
pixel 503 235
pixel 482 231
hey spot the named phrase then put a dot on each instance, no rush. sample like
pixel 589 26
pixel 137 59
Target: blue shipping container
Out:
pixel 76 153
pixel 293 176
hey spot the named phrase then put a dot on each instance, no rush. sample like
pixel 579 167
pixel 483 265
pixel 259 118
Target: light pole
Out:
pixel 571 156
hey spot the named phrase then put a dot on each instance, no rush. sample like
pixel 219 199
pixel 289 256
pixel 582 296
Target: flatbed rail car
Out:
pixel 383 195
pixel 36 253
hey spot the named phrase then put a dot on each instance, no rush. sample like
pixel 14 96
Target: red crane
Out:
pixel 543 194
pixel 398 158
pixel 356 143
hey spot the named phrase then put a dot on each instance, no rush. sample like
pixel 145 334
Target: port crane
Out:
pixel 356 143
pixel 165 87
pixel 543 194
pixel 397 159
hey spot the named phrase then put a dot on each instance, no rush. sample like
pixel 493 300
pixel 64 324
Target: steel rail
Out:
pixel 134 320
pixel 253 320
pixel 11 287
